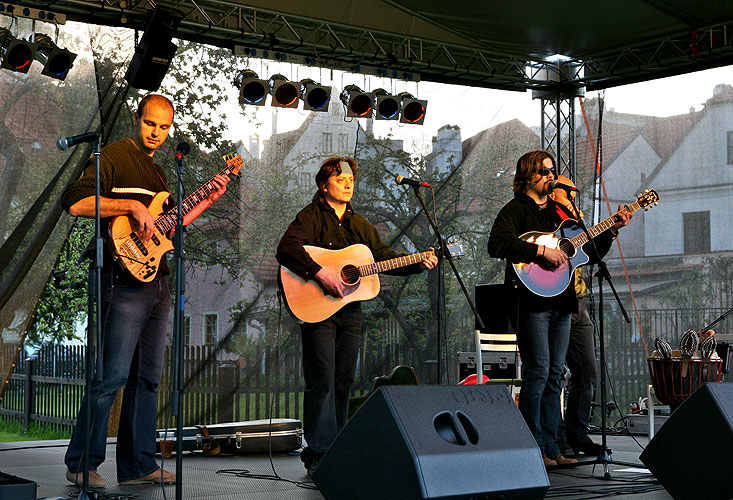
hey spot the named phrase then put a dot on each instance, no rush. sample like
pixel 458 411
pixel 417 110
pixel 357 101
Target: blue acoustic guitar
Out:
pixel 569 237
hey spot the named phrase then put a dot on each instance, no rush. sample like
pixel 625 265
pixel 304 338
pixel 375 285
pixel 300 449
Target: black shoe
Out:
pixel 311 467
pixel 586 446
pixel 565 449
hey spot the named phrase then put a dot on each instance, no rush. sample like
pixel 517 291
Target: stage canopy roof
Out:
pixel 492 43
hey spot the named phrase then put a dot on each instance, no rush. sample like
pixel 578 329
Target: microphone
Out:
pixel 560 185
pixel 64 143
pixel 182 150
pixel 404 180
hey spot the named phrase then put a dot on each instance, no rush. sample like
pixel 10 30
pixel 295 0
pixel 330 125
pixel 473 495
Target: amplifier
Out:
pixel 496 364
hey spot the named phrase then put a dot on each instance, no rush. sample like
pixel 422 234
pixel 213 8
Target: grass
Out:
pixel 12 430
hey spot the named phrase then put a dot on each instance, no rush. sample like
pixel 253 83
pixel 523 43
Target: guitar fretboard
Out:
pixel 388 265
pixel 166 222
pixel 602 226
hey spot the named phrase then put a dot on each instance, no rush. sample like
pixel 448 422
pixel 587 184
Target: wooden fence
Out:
pixel 49 388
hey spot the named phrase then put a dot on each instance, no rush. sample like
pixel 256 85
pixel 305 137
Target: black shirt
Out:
pixel 318 225
pixel 520 215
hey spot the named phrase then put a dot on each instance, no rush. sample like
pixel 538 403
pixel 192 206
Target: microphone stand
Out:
pixel 94 324
pixel 605 456
pixel 443 250
pixel 178 318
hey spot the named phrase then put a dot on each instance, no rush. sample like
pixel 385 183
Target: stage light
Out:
pixel 17 55
pixel 358 103
pixel 387 107
pixel 284 92
pixel 315 97
pixel 56 62
pixel 252 90
pixel 413 110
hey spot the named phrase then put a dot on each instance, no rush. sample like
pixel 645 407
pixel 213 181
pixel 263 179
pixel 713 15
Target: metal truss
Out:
pixel 558 132
pixel 259 32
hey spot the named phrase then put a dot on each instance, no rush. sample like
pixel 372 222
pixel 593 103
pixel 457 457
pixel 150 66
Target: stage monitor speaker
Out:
pixel 692 453
pixel 447 442
pixel 155 51
pixel 492 304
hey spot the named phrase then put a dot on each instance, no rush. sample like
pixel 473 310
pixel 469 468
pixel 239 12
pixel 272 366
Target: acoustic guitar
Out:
pixel 306 299
pixel 570 238
pixel 142 258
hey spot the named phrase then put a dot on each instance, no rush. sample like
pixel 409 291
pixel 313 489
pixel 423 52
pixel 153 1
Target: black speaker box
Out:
pixel 155 51
pixel 448 442
pixel 692 453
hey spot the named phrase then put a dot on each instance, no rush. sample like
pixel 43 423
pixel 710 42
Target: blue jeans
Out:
pixel 542 337
pixel 581 359
pixel 330 352
pixel 135 321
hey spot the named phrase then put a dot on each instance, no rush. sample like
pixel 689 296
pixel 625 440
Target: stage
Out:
pixel 203 477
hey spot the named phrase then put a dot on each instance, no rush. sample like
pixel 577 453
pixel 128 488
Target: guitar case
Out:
pixel 254 436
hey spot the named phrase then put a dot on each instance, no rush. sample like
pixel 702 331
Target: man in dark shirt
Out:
pixel 134 313
pixel 330 347
pixel 543 323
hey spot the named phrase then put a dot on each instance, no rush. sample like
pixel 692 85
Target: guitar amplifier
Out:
pixel 496 364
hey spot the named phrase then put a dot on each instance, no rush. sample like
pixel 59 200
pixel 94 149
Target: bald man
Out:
pixel 135 314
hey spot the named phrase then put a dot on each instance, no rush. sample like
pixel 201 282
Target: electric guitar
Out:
pixel 142 258
pixel 570 238
pixel 306 299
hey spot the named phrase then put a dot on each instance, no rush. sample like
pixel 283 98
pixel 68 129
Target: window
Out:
pixel 305 179
pixel 326 142
pixel 730 147
pixel 696 229
pixel 211 333
pixel 343 143
pixel 187 330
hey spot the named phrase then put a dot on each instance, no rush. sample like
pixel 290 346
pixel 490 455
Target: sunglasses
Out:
pixel 545 171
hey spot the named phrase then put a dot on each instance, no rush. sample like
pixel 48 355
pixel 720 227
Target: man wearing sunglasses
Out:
pixel 543 323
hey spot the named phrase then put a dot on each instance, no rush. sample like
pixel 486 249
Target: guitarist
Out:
pixel 543 323
pixel 330 347
pixel 134 314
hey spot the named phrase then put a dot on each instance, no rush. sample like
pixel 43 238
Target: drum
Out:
pixel 675 378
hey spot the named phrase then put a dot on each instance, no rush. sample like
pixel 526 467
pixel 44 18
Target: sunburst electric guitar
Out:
pixel 570 238
pixel 306 299
pixel 142 258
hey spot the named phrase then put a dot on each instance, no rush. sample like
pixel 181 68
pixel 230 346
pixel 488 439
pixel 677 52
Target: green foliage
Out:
pixel 63 303
pixel 11 430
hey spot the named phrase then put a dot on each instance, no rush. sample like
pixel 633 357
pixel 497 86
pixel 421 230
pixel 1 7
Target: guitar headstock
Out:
pixel 647 199
pixel 454 248
pixel 234 162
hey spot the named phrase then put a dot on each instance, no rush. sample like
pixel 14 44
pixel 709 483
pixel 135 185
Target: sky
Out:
pixel 476 109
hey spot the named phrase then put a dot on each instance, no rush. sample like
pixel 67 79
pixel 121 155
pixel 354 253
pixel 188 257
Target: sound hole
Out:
pixel 350 274
pixel 566 247
pixel 468 426
pixel 445 426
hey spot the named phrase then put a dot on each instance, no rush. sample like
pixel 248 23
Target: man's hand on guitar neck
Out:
pixel 331 283
pixel 622 218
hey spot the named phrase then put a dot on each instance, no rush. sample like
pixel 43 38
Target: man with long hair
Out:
pixel 543 323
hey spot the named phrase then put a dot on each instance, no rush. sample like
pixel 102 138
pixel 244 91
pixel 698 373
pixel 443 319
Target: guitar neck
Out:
pixel 167 221
pixel 602 226
pixel 388 265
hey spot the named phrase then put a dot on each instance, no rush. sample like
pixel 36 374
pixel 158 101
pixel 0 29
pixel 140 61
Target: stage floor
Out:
pixel 203 477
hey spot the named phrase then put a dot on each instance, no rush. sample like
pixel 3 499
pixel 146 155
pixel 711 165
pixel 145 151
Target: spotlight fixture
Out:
pixel 252 90
pixel 358 103
pixel 315 97
pixel 56 62
pixel 387 106
pixel 413 110
pixel 284 92
pixel 17 55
